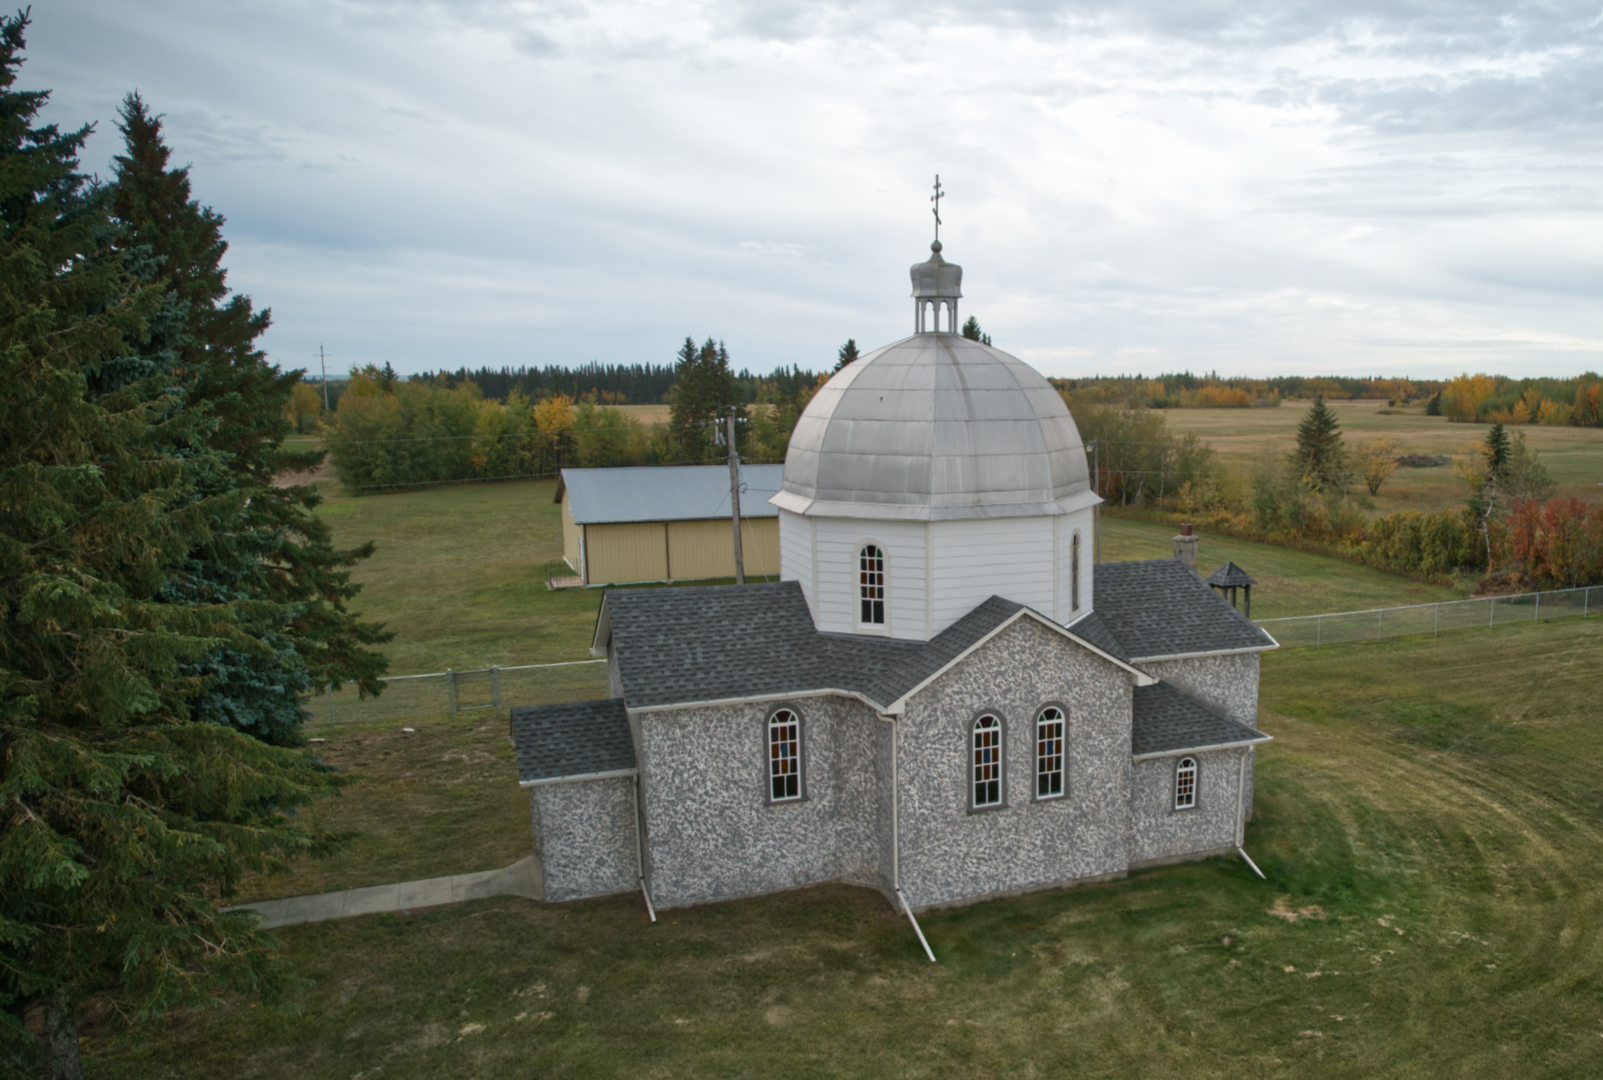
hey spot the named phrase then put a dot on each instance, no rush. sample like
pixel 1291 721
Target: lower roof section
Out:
pixel 580 740
pixel 1166 722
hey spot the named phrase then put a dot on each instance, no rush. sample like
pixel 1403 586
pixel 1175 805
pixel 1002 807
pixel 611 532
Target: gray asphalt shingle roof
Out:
pixel 581 738
pixel 1159 607
pixel 1165 719
pixel 662 493
pixel 1229 574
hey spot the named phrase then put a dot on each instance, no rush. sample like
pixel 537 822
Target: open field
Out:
pixel 1243 437
pixel 1429 813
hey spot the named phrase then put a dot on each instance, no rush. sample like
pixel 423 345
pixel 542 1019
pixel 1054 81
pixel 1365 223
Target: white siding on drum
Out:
pixel 839 540
pixel 796 552
pixel 1084 521
pixel 978 559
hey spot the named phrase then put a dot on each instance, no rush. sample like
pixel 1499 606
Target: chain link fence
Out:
pixel 1433 619
pixel 447 695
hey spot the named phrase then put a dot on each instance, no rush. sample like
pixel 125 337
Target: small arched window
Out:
pixel 1049 738
pixel 784 756
pixel 1074 571
pixel 1185 784
pixel 987 761
pixel 871 586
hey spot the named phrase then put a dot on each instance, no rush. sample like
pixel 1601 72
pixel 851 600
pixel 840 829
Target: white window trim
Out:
pixel 1196 774
pixel 1063 754
pixel 800 758
pixel 1001 762
pixel 858 624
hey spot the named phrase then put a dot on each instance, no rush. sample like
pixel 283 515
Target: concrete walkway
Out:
pixel 522 878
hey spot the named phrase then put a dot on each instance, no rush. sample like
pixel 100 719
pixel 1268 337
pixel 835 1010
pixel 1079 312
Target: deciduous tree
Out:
pixel 1376 460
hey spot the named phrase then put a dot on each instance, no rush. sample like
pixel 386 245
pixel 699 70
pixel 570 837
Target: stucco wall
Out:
pixel 951 854
pixel 585 837
pixel 713 832
pixel 1228 683
pixel 1162 832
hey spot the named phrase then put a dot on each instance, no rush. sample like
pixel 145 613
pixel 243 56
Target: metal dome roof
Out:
pixel 936 427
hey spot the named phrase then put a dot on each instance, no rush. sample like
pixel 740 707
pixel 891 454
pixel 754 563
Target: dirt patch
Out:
pixel 1283 910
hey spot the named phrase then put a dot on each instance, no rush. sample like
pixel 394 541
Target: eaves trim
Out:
pixel 578 777
pixel 1202 749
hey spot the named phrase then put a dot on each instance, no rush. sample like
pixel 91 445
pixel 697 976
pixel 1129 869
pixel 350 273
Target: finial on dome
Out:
pixel 937 284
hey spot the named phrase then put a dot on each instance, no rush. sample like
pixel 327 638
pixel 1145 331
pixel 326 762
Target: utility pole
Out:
pixel 324 360
pixel 734 499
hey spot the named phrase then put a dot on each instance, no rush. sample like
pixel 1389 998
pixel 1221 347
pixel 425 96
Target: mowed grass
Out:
pixel 1430 812
pixel 1244 438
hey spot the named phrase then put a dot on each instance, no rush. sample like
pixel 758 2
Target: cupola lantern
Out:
pixel 937 284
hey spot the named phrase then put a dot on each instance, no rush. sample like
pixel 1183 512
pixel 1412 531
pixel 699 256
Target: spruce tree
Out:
pixel 126 821
pixel 1320 458
pixel 704 391
pixel 847 354
pixel 273 549
pixel 972 331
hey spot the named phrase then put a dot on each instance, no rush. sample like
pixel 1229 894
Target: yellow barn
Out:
pixel 667 523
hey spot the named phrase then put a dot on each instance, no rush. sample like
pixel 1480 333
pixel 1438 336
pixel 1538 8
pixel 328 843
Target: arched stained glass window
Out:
pixel 987 761
pixel 871 585
pixel 1049 739
pixel 784 756
pixel 1185 784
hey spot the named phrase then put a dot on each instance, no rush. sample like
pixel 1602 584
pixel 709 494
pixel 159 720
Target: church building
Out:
pixel 945 698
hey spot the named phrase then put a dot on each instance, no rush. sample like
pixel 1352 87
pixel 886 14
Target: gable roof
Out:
pixel 578 740
pixel 692 645
pixel 1166 722
pixel 1159 609
pixel 666 493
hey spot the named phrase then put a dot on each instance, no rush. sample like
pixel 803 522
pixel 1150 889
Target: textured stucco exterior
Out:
pixel 1159 832
pixel 714 834
pixel 951 853
pixel 1229 683
pixel 584 834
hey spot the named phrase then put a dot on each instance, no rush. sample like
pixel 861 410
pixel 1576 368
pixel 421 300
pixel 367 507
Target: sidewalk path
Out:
pixel 522 878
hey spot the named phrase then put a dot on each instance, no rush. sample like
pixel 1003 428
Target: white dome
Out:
pixel 936 427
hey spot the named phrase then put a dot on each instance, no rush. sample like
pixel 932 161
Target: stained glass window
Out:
pixel 784 756
pixel 1185 784
pixel 987 761
pixel 1049 753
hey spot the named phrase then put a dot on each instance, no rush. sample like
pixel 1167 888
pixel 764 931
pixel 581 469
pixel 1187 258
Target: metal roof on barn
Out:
pixel 655 493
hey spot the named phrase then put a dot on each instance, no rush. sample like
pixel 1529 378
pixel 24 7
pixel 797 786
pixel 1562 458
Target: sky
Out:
pixel 1253 188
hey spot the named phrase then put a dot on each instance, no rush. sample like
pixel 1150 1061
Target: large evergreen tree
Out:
pixel 847 354
pixel 125 821
pixel 273 550
pixel 704 391
pixel 1320 457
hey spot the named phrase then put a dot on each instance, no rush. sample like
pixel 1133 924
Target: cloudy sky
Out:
pixel 1274 186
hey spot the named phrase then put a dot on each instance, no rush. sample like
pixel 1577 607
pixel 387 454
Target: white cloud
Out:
pixel 1253 187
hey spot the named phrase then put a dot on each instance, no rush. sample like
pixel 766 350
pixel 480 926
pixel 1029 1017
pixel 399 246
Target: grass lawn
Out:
pixel 1573 456
pixel 1289 582
pixel 1428 816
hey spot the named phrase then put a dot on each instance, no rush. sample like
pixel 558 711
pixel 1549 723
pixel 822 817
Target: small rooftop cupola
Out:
pixel 937 284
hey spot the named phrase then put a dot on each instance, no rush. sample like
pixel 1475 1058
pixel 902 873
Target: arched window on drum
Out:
pixel 871 585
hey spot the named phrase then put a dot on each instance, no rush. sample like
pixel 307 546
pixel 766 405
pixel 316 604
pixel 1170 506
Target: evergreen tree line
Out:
pixel 166 607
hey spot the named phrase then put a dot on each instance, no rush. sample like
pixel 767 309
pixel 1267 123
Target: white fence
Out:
pixel 1483 613
pixel 443 695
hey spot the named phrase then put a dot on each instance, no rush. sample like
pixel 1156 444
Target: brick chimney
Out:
pixel 1185 547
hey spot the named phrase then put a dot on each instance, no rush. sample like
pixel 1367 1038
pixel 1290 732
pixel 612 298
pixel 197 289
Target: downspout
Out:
pixel 1241 814
pixel 640 851
pixel 896 850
